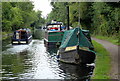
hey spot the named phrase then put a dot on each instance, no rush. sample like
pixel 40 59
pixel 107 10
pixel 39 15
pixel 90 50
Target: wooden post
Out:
pixel 68 18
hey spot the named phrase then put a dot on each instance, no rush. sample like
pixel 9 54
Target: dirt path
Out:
pixel 113 49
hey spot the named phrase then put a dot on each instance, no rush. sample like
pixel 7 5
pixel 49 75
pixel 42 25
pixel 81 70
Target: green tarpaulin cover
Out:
pixel 70 38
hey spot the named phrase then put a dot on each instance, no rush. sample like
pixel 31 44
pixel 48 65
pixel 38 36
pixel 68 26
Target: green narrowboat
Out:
pixel 76 47
pixel 54 34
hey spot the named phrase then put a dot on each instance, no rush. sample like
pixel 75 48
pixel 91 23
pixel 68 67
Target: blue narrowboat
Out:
pixel 22 36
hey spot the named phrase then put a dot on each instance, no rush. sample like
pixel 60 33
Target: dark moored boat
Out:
pixel 22 36
pixel 54 34
pixel 76 47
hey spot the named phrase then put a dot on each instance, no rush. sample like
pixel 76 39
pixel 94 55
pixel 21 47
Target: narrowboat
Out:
pixel 22 36
pixel 54 34
pixel 76 48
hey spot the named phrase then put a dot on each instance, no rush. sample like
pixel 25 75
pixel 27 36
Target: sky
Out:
pixel 42 5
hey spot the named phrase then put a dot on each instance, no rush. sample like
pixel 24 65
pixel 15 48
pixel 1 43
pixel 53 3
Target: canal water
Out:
pixel 35 61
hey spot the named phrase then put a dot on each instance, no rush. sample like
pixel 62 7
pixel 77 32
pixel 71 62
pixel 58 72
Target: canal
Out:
pixel 35 61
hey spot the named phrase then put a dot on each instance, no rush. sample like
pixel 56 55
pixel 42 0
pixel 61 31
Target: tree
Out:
pixel 39 20
pixel 6 16
pixel 58 12
pixel 17 15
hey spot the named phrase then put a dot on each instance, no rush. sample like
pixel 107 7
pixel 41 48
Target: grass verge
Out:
pixel 110 39
pixel 4 35
pixel 103 64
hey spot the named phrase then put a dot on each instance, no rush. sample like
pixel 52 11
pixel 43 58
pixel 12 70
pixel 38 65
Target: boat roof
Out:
pixel 85 30
pixel 70 38
pixel 24 29
pixel 54 24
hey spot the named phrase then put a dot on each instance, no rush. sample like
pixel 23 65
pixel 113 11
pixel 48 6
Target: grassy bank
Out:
pixel 103 65
pixel 111 39
pixel 5 35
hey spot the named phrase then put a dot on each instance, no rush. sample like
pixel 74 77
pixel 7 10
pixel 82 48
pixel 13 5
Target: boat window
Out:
pixel 23 34
pixel 49 26
pixel 17 35
pixel 55 25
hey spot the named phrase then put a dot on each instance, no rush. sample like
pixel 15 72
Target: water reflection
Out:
pixel 76 71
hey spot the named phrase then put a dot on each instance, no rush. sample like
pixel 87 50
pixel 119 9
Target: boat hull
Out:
pixel 53 39
pixel 76 56
pixel 17 42
pixel 27 40
pixel 51 44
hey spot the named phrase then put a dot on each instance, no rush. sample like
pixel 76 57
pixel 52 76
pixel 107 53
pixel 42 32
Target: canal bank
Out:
pixel 102 64
pixel 113 56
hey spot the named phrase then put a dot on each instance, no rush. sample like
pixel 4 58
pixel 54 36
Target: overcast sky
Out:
pixel 42 5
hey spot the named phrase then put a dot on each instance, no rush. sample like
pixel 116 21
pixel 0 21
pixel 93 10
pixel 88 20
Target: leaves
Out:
pixel 105 18
pixel 17 15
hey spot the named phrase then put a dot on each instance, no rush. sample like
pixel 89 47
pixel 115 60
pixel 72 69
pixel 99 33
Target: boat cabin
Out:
pixel 56 26
pixel 54 33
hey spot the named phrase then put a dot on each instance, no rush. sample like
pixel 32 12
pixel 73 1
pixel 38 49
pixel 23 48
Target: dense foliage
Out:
pixel 101 18
pixel 17 15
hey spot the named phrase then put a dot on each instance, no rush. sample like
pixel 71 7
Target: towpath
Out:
pixel 113 49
